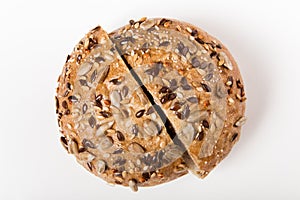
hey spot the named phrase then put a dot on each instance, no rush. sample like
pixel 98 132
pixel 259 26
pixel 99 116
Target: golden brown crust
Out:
pixel 86 143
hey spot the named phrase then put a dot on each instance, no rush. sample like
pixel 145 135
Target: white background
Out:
pixel 35 38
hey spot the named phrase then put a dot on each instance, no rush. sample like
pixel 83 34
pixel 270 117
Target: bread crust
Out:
pixel 221 98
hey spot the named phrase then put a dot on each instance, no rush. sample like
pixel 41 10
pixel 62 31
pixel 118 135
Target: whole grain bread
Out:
pixel 148 102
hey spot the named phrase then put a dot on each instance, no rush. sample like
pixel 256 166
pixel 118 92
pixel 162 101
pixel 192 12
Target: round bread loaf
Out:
pixel 149 102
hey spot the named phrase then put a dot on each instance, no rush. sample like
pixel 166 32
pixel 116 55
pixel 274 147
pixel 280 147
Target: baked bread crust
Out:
pixel 206 113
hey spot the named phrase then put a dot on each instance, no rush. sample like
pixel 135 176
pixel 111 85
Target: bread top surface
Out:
pixel 115 125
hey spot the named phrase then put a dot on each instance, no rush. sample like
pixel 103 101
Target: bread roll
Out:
pixel 149 102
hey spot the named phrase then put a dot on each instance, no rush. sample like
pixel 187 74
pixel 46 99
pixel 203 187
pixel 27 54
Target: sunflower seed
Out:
pixel 185 112
pixel 227 63
pixel 115 98
pixel 103 72
pixel 142 97
pixel 203 65
pixel 164 44
pixel 151 128
pixel 93 76
pixel 218 121
pixel 83 82
pixel 186 87
pixel 145 46
pixel 84 68
pixel 187 134
pixel 182 49
pixel 147 24
pixel 150 110
pixel 73 147
pixel 136 148
pixel 124 91
pixel 135 129
pixel 99 59
pixel 196 116
pixel 118 151
pixel 92 121
pixel 105 126
pixel 192 99
pixel 125 113
pixel 154 71
pixel 133 185
pixel 90 157
pixel 88 144
pixel 173 152
pixel 183 81
pixel 101 166
pixel 195 62
pixel 119 161
pixel 220 90
pixel 173 82
pixel 208 77
pixel 241 121
pixel 106 142
pixel 173 85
